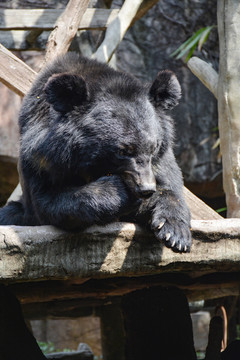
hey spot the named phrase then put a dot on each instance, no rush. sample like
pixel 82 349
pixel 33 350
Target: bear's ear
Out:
pixel 64 91
pixel 165 90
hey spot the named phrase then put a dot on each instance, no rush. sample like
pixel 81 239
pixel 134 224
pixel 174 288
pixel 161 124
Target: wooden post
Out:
pixel 158 325
pixel 228 13
pixel 112 332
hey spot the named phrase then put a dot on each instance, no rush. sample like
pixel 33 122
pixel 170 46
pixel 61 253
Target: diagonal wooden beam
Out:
pixel 65 29
pixel 117 29
pixel 14 73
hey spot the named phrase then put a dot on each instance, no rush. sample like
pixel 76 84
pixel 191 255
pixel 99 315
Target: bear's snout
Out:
pixel 146 190
pixel 141 182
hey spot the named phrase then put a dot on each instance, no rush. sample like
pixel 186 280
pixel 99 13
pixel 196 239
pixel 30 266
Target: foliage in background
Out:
pixel 196 40
pixel 221 210
pixel 49 347
pixel 46 347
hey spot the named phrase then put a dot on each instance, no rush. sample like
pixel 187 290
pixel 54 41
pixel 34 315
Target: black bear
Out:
pixel 97 146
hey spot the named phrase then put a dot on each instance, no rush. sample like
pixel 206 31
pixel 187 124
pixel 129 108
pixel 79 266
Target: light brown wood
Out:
pixel 65 29
pixel 228 101
pixel 205 73
pixel 199 210
pixel 117 29
pixel 14 73
pixel 45 19
pixel 118 249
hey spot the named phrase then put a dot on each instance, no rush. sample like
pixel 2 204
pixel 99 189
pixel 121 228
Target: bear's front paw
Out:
pixel 173 232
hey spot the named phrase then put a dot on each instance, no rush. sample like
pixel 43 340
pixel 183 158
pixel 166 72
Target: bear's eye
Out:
pixel 122 153
pixel 126 152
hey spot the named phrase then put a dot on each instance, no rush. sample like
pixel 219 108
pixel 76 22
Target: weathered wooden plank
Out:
pixel 199 210
pixel 14 73
pixel 117 29
pixel 65 29
pixel 94 292
pixel 28 19
pixel 228 16
pixel 205 73
pixel 118 249
pixel 37 303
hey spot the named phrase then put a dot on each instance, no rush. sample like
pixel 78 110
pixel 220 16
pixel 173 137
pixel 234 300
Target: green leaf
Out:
pixel 181 47
pixel 190 52
pixel 204 36
pixel 197 39
pixel 221 210
pixel 187 44
pixel 192 43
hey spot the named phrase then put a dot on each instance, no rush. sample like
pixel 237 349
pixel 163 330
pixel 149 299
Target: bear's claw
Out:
pixel 174 233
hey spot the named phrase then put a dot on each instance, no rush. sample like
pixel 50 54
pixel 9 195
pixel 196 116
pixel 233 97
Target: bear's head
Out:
pixel 115 125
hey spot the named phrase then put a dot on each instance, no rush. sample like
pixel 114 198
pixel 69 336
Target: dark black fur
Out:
pixel 96 146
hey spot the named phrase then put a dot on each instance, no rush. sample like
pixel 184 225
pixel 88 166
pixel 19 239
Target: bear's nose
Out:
pixel 147 190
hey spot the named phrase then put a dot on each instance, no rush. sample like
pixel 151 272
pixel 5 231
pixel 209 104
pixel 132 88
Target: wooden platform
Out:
pixel 43 265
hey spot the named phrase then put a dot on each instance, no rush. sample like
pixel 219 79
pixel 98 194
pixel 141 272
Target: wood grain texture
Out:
pixel 228 15
pixel 205 73
pixel 117 29
pixel 14 73
pixel 199 210
pixel 65 29
pixel 118 249
pixel 45 19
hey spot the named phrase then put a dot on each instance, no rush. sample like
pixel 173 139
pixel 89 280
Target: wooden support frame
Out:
pixel 45 19
pixel 28 255
pixel 128 257
pixel 21 84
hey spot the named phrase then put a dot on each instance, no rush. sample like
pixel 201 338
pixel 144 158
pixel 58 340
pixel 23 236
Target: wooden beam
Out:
pixel 117 29
pixel 65 29
pixel 45 19
pixel 118 249
pixel 205 73
pixel 143 9
pixel 96 292
pixel 14 73
pixel 199 210
pixel 73 305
